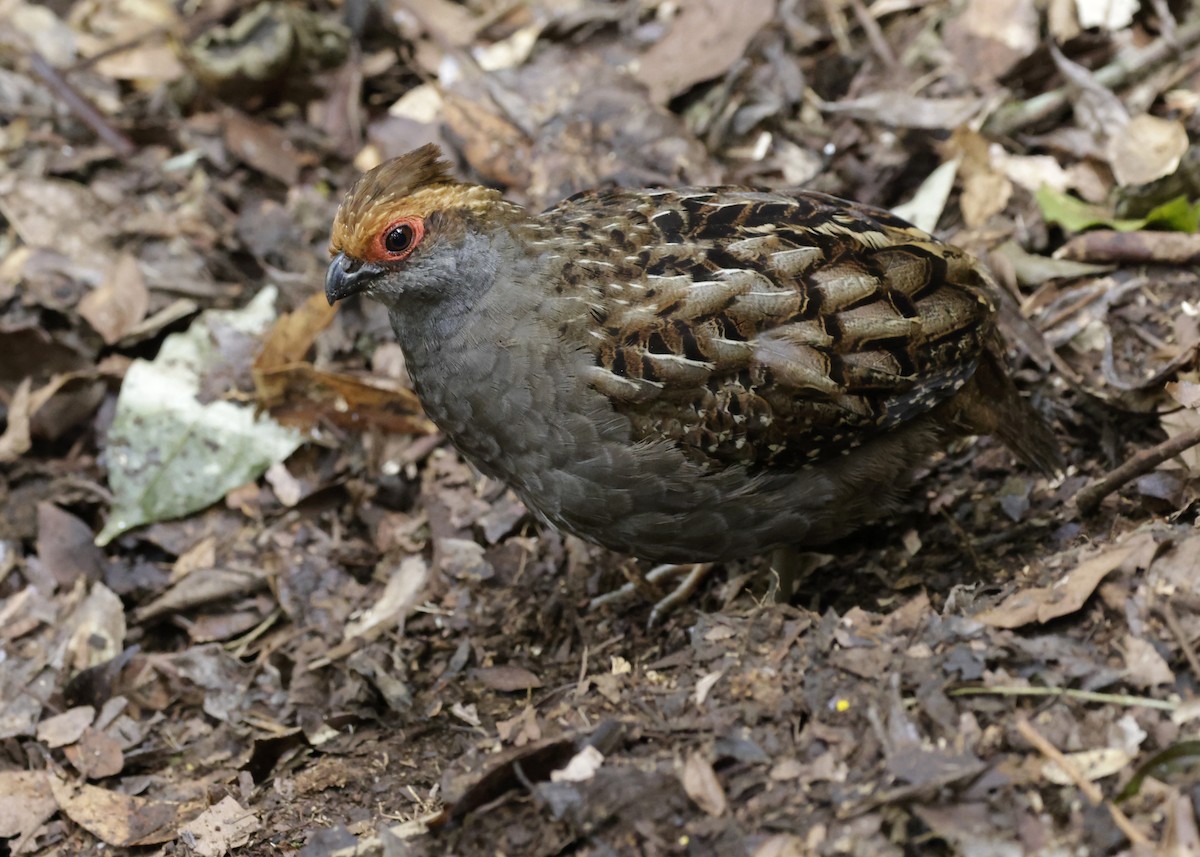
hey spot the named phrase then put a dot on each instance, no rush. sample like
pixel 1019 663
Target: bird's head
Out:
pixel 408 231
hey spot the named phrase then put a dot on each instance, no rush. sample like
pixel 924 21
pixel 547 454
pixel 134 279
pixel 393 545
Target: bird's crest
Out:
pixel 414 185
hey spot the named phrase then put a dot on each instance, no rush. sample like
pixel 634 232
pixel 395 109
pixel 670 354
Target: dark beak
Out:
pixel 347 277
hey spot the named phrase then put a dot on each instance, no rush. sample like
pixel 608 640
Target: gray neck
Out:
pixel 452 285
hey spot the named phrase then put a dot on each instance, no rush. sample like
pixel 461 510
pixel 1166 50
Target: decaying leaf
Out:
pixel 170 454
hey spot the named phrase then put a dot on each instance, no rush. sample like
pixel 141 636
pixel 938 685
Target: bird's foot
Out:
pixel 690 574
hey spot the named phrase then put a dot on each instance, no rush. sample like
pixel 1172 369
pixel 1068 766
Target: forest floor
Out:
pixel 251 602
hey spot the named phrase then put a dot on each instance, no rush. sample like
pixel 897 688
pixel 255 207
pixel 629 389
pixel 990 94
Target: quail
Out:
pixel 685 374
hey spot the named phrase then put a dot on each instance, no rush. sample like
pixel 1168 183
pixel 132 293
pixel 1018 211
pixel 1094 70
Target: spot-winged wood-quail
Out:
pixel 684 375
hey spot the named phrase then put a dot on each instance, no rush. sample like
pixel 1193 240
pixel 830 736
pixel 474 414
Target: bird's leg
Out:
pixel 693 575
pixel 789 570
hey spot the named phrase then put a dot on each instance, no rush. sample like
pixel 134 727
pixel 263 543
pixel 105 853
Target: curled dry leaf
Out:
pixel 299 394
pixel 1146 149
pixel 120 820
pixel 1043 603
pixel 701 784
pixel 119 303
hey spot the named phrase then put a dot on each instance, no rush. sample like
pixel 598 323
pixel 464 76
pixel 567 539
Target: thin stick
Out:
pixel 1121 71
pixel 78 104
pixel 874 33
pixel 1089 789
pixel 1069 693
pixel 1088 499
pixel 1176 627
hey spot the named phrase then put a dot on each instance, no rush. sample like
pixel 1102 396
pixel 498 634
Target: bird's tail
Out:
pixel 992 405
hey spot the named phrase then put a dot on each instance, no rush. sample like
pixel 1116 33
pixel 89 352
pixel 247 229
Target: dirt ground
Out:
pixel 251 602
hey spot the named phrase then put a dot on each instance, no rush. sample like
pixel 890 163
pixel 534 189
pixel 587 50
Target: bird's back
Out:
pixel 768 329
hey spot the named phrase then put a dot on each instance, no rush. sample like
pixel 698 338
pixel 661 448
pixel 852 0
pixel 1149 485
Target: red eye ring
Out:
pixel 398 239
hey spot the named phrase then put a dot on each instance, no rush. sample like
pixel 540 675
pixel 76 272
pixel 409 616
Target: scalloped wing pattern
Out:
pixel 768 329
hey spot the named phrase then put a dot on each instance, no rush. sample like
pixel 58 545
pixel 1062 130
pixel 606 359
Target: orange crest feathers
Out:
pixel 413 185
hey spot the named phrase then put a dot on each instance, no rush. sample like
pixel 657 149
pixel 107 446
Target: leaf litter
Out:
pixel 332 636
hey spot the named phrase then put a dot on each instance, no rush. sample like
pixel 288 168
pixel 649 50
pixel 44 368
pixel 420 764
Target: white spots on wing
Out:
pixel 676 367
pixel 730 352
pixel 620 388
pixel 843 286
pixel 793 263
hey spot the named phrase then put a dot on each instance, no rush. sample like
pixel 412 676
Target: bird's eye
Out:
pixel 398 239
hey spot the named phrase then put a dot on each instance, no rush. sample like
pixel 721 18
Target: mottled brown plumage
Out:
pixel 691 374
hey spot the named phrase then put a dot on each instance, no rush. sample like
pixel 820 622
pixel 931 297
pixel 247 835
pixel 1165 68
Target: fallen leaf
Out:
pixel 702 786
pixel 119 819
pixel 1091 764
pixel 220 829
pixel 1133 248
pixel 28 802
pixel 168 454
pixel 1146 149
pixel 1044 603
pixel 97 755
pixel 1144 666
pixel 705 39
pixel 65 728
pixel 507 678
pixel 117 305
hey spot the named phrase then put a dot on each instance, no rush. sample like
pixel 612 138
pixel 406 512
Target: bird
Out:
pixel 684 375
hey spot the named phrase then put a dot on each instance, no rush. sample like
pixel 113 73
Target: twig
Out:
pixel 1189 652
pixel 1089 789
pixel 1088 499
pixel 835 16
pixel 1121 71
pixel 78 104
pixel 1070 693
pixel 874 33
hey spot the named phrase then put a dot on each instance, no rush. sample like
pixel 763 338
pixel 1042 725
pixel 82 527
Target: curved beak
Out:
pixel 347 277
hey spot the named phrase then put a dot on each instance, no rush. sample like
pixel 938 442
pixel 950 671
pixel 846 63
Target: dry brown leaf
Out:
pixel 118 819
pixel 305 396
pixel 97 629
pixel 28 803
pixel 901 110
pixel 1044 603
pixel 97 755
pixel 507 678
pixel 1091 764
pixel 783 845
pixel 1097 110
pixel 292 334
pixel 221 829
pixel 264 146
pixel 1146 149
pixel 65 728
pixel 1144 666
pixel 984 194
pixel 17 439
pixel 702 786
pixel 202 587
pixel 65 547
pixel 61 215
pixel 1186 393
pixel 118 304
pixel 988 37
pixel 1132 248
pixel 705 39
